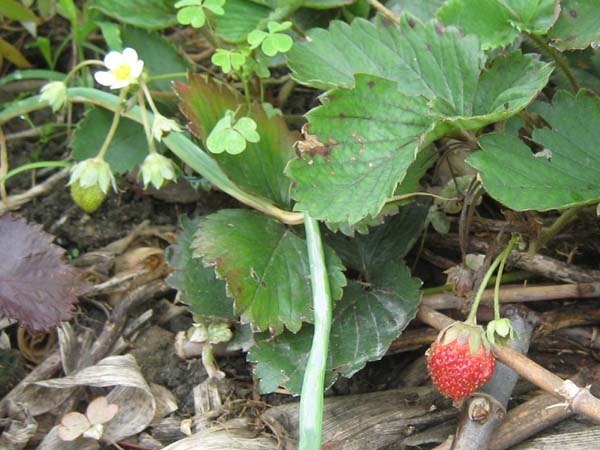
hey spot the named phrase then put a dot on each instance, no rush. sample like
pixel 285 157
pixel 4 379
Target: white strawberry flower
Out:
pixel 123 69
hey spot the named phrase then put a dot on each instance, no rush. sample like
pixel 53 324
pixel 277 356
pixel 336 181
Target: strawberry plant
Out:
pixel 312 260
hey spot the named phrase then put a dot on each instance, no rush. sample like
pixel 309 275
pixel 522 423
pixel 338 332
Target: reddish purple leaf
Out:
pixel 37 286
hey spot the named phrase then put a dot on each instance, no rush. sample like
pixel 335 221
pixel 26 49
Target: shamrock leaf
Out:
pixel 192 11
pixel 231 137
pixel 274 40
pixel 227 60
pixel 90 425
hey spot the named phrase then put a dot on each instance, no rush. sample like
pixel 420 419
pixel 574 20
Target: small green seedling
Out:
pixel 191 12
pixel 273 41
pixel 231 136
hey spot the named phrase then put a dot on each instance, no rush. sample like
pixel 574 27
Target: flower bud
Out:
pixel 161 126
pixel 93 172
pixel 55 93
pixel 156 169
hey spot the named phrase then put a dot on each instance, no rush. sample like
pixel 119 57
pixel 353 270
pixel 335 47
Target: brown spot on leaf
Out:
pixel 311 145
pixel 342 116
pixel 371 84
pixel 573 13
pixel 411 23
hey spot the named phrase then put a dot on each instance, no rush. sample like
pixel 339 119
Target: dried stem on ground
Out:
pixel 578 399
pixel 530 418
pixel 518 294
pixel 542 265
pixel 16 201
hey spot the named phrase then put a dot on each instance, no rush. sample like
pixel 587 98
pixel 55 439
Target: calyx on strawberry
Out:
pixel 459 361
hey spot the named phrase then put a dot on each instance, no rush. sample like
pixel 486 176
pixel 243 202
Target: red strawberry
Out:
pixel 459 361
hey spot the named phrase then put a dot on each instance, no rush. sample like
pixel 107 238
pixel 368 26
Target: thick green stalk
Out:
pixel 178 143
pixel 559 224
pixel 311 402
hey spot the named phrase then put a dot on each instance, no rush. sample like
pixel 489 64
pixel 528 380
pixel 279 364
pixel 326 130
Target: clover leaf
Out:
pixel 192 11
pixel 231 136
pixel 228 59
pixel 274 40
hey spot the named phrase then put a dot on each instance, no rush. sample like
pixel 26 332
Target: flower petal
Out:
pixel 105 78
pixel 118 84
pixel 130 56
pixel 113 59
pixel 136 68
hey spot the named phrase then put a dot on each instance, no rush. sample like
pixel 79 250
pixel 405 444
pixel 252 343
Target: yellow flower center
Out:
pixel 123 72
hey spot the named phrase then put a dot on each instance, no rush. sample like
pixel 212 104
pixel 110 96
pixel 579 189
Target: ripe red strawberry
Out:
pixel 459 361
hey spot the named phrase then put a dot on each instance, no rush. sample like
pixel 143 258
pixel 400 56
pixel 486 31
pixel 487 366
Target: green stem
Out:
pixel 311 401
pixel 559 59
pixel 81 65
pixel 472 318
pixel 145 122
pixel 178 143
pixel 167 76
pixel 148 96
pixel 559 224
pixel 502 257
pixel 114 125
pixel 32 166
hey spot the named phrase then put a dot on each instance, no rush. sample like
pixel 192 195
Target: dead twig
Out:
pixel 518 294
pixel 391 15
pixel 16 201
pixel 530 418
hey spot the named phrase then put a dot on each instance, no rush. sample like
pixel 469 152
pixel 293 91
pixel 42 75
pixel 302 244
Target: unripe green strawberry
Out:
pixel 459 361
pixel 87 198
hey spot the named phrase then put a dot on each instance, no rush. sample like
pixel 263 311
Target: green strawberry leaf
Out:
pixel 259 169
pixel 240 18
pixel 423 10
pixel 127 149
pixel 148 14
pixel 265 266
pixel 499 22
pixel 197 285
pixel 371 135
pixel 385 243
pixel 365 323
pixel 578 26
pixel 417 57
pixel 565 173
